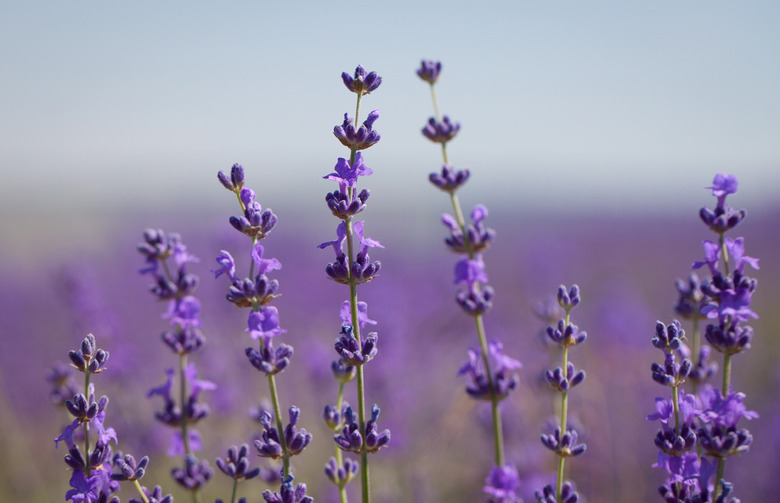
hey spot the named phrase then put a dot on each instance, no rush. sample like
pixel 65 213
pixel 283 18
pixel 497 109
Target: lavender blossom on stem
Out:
pixel 257 291
pixel 353 266
pixel 476 298
pixel 176 286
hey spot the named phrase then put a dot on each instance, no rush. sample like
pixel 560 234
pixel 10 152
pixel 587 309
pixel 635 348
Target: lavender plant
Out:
pixel 698 432
pixel 352 267
pixel 491 373
pixel 92 480
pixel 728 295
pixel 255 292
pixel 182 412
pixel 563 441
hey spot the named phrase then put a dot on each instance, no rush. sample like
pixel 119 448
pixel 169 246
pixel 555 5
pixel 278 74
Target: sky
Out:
pixel 613 106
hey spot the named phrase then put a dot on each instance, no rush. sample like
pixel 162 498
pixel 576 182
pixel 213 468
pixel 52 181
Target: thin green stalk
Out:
pixel 183 402
pixel 564 417
pixel 339 456
pixel 279 427
pixel 498 441
pixel 86 425
pixel 140 491
pixel 235 490
pixel 364 482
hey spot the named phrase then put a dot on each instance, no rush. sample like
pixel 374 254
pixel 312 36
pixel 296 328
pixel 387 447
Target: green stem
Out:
pixel 86 425
pixel 140 491
pixel 353 300
pixel 339 456
pixel 235 490
pixel 498 442
pixel 279 427
pixel 564 417
pixel 183 402
pixel 435 104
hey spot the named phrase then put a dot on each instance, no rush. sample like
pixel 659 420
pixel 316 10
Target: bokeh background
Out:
pixel 591 131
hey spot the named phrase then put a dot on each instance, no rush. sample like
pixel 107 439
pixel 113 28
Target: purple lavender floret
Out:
pixel 364 137
pixel 344 205
pixel 341 475
pixel 566 335
pixel 722 218
pixel 269 444
pixel 671 373
pixel 235 182
pixel 351 351
pixel 429 71
pixel 504 379
pixel 129 469
pixel 502 484
pixel 195 474
pixel 154 496
pixel 440 132
pixel 268 360
pixel 719 435
pixel 361 83
pixel 562 382
pixel 668 338
pixel 255 222
pixel 172 412
pixel 729 339
pixel 450 179
pixel 89 359
pixel 563 444
pixel 568 494
pixel 288 493
pixel 703 369
pixel 568 299
pixel 297 440
pixel 690 300
pixel 475 302
pixel 236 465
pixel 351 439
pixel 341 372
pixel 478 237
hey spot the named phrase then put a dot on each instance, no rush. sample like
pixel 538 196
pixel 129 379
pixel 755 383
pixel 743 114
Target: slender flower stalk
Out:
pixel 181 410
pixel 727 297
pixel 491 380
pixel 351 268
pixel 92 480
pixel 563 441
pixel 707 420
pixel 256 292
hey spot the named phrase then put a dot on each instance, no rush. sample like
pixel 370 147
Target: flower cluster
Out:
pixel 176 286
pixel 491 373
pixel 700 431
pixel 563 441
pixel 352 267
pixel 256 291
pixel 92 480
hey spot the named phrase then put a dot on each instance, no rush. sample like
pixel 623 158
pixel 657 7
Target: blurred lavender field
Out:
pixel 55 291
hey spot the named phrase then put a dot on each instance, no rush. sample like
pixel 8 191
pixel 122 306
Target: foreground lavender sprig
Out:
pixel 353 267
pixel 256 291
pixel 491 372
pixel 727 297
pixel 699 432
pixel 563 441
pixel 92 480
pixel 176 287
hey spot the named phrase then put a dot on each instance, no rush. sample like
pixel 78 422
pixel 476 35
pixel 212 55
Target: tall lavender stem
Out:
pixel 492 381
pixel 352 268
pixel 256 292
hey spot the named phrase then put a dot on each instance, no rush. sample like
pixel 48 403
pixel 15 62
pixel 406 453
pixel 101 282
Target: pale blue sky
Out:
pixel 608 103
